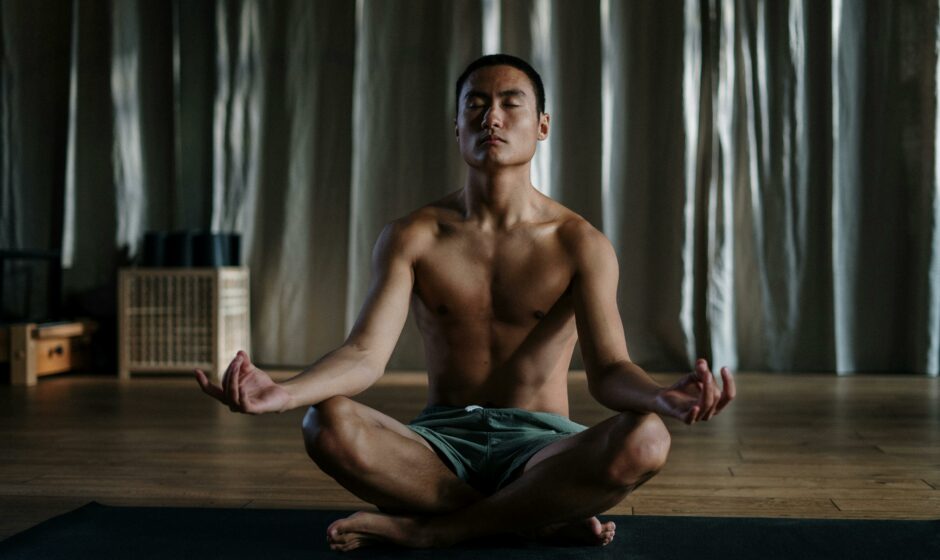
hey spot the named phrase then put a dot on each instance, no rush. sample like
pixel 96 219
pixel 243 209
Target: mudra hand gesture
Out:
pixel 696 397
pixel 245 388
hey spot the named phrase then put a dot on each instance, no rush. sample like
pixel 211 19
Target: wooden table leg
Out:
pixel 22 354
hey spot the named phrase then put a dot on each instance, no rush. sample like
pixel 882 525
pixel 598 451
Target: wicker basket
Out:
pixel 173 320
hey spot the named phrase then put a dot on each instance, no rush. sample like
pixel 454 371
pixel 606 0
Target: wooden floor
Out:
pixel 790 446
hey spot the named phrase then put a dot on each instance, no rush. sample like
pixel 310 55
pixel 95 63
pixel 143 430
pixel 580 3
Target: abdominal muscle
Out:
pixel 481 363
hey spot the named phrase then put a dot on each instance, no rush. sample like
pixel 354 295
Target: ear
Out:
pixel 456 130
pixel 544 120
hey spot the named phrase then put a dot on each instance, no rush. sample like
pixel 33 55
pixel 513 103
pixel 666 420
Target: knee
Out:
pixel 329 431
pixel 640 450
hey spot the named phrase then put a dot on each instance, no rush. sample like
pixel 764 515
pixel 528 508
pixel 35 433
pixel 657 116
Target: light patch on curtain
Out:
pixel 691 112
pixel 492 26
pixel 540 24
pixel 721 299
pixel 795 162
pixel 356 274
pixel 237 134
pixel 932 359
pixel 847 30
pixel 129 174
pixel 68 203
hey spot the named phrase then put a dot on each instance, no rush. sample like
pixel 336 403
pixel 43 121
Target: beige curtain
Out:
pixel 766 169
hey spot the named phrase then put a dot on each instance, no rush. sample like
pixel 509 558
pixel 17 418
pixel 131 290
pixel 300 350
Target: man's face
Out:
pixel 498 123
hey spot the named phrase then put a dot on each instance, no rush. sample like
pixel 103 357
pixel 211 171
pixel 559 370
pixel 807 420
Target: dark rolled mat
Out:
pixel 97 531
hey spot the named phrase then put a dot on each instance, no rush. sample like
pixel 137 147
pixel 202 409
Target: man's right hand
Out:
pixel 245 388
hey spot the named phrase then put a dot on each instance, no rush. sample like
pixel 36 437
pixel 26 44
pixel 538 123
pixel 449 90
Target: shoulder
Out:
pixel 410 235
pixel 585 244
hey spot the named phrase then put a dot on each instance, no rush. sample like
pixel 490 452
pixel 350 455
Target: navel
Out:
pixel 442 309
pixel 539 314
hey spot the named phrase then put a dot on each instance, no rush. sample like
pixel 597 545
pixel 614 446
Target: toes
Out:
pixel 345 545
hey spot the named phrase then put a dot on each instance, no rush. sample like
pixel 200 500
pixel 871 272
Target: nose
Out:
pixel 492 118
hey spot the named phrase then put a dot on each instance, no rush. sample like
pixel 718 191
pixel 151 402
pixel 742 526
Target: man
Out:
pixel 502 281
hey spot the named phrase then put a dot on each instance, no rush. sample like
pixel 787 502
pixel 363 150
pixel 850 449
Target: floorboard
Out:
pixel 791 445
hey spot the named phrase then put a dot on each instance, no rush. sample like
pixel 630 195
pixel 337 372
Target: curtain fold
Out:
pixel 766 170
pixel 404 148
pixel 34 44
pixel 645 198
pixel 130 167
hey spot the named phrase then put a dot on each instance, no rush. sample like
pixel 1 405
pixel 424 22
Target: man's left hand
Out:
pixel 696 397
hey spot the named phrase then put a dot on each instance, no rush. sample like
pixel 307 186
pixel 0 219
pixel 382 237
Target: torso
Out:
pixel 494 308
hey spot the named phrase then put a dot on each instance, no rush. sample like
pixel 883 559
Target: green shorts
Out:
pixel 487 447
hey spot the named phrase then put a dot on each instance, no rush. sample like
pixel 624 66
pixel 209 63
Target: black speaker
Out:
pixel 179 249
pixel 153 252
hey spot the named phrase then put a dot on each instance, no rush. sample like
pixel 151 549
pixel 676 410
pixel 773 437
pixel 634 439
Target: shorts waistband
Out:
pixel 444 409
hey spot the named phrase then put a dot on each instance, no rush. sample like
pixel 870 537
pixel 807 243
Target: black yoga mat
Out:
pixel 97 531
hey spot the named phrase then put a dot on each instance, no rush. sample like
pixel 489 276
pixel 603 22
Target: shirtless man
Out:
pixel 502 281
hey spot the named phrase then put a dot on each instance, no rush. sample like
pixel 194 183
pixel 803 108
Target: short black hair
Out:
pixel 505 60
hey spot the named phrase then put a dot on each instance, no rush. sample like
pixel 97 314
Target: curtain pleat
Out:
pixel 34 85
pixel 404 148
pixel 930 335
pixel 644 194
pixel 767 171
pixel 130 171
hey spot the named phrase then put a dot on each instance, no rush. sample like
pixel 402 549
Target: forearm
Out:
pixel 624 386
pixel 345 371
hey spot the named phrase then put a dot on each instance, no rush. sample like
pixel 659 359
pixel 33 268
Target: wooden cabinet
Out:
pixel 172 320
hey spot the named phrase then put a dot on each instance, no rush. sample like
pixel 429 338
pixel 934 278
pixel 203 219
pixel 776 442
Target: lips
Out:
pixel 492 139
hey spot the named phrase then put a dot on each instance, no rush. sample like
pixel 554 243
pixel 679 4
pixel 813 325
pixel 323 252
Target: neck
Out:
pixel 500 199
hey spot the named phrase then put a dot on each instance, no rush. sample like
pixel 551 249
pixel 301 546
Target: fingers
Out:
pixel 231 381
pixel 227 376
pixel 208 387
pixel 721 397
pixel 245 360
pixel 692 415
pixel 729 391
pixel 231 391
pixel 697 396
pixel 708 397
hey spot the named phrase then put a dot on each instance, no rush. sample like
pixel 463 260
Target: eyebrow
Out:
pixel 504 93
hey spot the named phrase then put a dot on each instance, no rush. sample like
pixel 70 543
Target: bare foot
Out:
pixel 366 528
pixel 589 532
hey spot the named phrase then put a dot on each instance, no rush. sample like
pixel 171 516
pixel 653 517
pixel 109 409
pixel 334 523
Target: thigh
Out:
pixel 593 443
pixel 380 459
pixel 349 423
pixel 386 422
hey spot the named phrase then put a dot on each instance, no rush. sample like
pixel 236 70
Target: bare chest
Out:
pixel 513 279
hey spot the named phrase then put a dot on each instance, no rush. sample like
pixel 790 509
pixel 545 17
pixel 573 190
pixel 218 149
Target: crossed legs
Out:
pixel 384 463
pixel 380 460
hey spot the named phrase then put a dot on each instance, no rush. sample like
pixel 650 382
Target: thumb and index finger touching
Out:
pixel 219 391
pixel 710 397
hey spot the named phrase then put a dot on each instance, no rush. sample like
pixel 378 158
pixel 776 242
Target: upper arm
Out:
pixel 594 295
pixel 385 309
